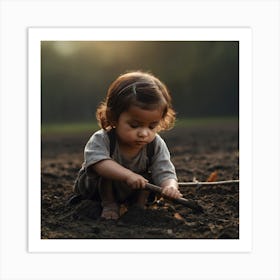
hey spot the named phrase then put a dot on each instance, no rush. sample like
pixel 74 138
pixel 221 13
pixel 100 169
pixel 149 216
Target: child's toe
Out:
pixel 110 213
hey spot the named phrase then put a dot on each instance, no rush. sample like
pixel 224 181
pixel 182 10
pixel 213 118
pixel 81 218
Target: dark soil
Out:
pixel 196 154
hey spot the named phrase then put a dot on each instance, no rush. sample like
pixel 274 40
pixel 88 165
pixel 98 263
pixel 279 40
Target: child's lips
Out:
pixel 141 142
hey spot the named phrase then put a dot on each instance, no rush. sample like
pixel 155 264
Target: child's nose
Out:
pixel 143 132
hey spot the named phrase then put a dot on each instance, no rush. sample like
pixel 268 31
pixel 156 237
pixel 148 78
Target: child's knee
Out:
pixel 86 185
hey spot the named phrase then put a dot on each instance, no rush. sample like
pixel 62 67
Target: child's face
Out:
pixel 137 127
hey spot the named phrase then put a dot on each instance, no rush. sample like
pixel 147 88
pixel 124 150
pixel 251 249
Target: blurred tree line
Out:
pixel 203 76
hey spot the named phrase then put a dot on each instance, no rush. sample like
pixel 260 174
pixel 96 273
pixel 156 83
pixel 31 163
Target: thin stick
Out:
pixel 208 183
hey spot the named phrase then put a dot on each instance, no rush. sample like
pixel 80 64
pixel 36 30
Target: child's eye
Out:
pixel 132 125
pixel 153 126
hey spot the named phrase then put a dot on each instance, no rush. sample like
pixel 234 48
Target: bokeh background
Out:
pixel 203 76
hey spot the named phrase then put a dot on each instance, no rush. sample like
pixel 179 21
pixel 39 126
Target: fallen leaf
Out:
pixel 178 217
pixel 123 209
pixel 213 177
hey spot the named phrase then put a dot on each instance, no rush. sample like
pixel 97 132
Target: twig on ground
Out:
pixel 197 183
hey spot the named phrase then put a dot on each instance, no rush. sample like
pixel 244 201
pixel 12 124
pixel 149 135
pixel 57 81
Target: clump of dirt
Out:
pixel 88 209
pixel 196 153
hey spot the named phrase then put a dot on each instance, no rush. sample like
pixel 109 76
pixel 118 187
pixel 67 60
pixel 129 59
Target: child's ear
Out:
pixel 113 124
pixel 111 118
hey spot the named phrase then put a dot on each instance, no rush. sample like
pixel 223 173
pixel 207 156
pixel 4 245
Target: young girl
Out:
pixel 116 164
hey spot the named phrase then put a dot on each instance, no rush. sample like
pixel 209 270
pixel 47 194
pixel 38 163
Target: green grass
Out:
pixel 193 122
pixel 68 128
pixel 76 128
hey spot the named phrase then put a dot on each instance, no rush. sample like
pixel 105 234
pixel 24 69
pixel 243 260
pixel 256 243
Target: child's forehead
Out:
pixel 144 115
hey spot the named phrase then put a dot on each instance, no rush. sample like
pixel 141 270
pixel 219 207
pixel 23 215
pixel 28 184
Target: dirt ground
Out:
pixel 196 153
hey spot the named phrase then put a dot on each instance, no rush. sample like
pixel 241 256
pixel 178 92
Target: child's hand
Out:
pixel 136 181
pixel 171 191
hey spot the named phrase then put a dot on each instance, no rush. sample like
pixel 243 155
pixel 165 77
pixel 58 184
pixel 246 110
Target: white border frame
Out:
pixel 262 16
pixel 243 35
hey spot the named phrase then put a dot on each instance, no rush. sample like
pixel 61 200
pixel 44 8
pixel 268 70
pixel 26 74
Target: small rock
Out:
pixel 170 231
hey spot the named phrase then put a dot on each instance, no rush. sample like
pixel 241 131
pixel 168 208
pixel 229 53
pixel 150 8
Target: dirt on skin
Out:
pixel 196 154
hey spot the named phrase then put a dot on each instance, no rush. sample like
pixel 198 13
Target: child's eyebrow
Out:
pixel 155 122
pixel 139 122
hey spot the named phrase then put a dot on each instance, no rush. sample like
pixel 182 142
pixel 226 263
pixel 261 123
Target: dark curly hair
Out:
pixel 140 89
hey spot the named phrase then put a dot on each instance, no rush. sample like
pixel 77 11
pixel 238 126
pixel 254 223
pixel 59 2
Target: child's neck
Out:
pixel 129 152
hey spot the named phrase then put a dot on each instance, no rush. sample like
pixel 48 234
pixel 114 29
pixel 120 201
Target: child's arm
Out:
pixel 170 188
pixel 112 170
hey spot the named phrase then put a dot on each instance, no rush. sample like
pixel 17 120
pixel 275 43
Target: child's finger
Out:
pixel 171 192
pixel 143 183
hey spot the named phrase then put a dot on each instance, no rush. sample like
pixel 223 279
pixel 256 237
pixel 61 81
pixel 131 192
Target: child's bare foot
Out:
pixel 110 211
